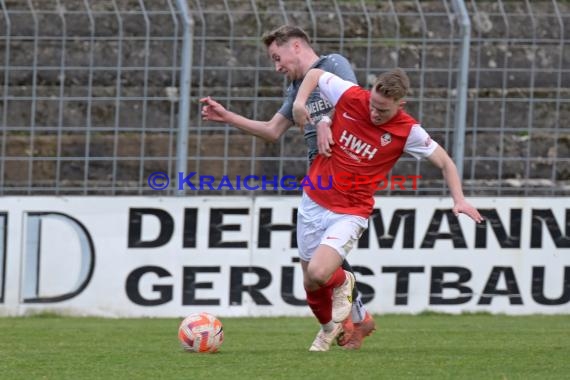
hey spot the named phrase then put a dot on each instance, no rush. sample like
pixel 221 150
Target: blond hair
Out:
pixel 393 84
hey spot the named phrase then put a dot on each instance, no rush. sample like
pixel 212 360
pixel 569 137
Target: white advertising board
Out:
pixel 236 256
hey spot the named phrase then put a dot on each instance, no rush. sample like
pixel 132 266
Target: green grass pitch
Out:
pixel 427 346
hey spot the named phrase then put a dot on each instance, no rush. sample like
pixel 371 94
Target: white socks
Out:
pixel 328 326
pixel 358 310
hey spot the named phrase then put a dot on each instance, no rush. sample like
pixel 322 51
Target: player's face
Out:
pixel 285 59
pixel 382 109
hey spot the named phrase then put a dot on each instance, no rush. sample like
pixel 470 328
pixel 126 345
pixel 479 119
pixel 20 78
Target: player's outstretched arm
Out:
pixel 441 159
pixel 270 130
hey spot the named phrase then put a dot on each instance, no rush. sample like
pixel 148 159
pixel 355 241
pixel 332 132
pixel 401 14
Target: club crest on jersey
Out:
pixel 385 139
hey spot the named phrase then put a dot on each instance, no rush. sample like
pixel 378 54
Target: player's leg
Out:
pixel 324 270
pixel 319 298
pixel 360 324
pixel 358 308
pixel 341 235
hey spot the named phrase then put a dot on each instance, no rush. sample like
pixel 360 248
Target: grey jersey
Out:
pixel 317 105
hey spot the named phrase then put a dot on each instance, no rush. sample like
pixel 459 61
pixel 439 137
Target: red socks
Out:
pixel 337 279
pixel 320 300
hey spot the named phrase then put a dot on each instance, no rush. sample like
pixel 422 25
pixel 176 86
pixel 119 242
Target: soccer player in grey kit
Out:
pixel 290 50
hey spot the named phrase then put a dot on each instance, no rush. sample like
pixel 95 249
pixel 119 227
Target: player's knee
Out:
pixel 317 276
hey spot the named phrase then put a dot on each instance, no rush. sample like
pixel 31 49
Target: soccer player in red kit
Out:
pixel 367 135
pixel 290 50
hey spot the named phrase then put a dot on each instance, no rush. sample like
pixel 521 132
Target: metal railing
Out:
pixel 95 95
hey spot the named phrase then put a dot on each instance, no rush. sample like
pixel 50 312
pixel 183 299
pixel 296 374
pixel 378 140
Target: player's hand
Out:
pixel 463 207
pixel 324 138
pixel 212 110
pixel 300 115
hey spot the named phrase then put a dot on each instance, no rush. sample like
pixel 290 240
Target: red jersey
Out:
pixel 363 153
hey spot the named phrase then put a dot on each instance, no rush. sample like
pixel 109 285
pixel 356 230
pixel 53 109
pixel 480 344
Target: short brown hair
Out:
pixel 393 84
pixel 283 34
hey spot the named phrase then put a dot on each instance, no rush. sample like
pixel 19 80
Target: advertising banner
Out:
pixel 237 256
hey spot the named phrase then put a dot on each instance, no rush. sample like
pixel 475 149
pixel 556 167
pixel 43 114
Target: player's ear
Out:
pixel 297 45
pixel 402 103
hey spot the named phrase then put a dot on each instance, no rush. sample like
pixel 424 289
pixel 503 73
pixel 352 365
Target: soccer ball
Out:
pixel 201 332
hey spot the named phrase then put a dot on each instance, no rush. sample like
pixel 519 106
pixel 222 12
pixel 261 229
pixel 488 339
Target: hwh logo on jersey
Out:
pixel 357 146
